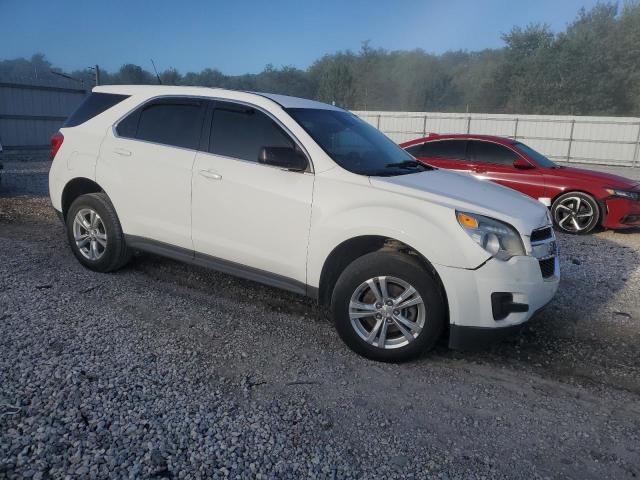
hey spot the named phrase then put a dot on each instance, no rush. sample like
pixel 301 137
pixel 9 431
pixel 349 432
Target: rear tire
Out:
pixel 95 234
pixel 576 213
pixel 377 315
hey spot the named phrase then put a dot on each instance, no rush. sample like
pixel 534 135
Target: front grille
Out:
pixel 547 267
pixel 541 234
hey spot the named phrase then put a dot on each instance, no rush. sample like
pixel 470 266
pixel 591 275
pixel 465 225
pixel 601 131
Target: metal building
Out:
pixel 30 114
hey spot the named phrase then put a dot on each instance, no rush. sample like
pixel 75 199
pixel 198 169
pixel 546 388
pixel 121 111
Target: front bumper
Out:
pixel 621 213
pixel 469 297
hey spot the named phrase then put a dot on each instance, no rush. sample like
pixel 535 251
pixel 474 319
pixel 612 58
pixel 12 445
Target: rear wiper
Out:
pixel 407 164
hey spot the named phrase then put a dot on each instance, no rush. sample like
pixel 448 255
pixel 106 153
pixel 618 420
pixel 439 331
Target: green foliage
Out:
pixel 591 68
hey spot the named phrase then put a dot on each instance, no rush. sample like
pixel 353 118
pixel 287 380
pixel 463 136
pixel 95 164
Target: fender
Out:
pixel 424 227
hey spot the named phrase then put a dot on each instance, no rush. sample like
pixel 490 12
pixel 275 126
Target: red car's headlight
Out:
pixel 614 192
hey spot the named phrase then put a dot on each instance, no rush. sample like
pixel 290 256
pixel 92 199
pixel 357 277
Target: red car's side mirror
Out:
pixel 522 164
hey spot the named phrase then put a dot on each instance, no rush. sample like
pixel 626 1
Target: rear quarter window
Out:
pixel 173 121
pixel 93 105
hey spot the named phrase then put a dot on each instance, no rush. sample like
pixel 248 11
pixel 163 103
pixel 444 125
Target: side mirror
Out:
pixel 522 164
pixel 290 158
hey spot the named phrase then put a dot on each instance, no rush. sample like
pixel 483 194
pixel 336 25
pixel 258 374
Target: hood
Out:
pixel 465 193
pixel 601 178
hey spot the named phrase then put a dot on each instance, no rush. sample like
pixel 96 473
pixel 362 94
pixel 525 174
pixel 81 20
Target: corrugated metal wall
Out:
pixel 30 114
pixel 598 140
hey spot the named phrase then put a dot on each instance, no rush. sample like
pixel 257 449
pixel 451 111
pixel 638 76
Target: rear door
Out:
pixel 448 154
pixel 145 166
pixel 493 161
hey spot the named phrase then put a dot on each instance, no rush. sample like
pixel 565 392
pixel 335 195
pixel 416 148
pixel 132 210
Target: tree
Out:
pixel 590 68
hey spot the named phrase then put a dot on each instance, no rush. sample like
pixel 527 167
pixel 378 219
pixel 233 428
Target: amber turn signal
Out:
pixel 467 221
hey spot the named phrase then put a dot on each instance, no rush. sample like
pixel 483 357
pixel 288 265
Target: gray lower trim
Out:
pixel 462 337
pixel 224 266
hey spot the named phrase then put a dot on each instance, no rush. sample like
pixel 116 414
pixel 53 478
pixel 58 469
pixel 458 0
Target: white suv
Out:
pixel 306 197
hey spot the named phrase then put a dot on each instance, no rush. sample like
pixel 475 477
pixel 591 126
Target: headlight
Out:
pixel 498 238
pixel 623 193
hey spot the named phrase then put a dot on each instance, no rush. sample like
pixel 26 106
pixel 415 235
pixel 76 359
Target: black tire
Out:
pixel 405 268
pixel 576 213
pixel 115 254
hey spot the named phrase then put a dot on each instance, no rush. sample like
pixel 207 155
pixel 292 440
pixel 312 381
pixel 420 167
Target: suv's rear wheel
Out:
pixel 95 234
pixel 575 212
pixel 387 306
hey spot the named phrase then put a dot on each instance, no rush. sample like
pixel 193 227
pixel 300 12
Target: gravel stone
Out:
pixel 144 377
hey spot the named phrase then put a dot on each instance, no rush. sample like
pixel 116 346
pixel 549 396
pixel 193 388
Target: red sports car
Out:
pixel 580 200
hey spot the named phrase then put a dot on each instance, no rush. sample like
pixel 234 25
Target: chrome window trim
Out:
pixel 114 128
pixel 509 147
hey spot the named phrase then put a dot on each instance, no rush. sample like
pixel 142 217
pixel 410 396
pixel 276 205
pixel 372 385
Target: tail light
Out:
pixel 56 143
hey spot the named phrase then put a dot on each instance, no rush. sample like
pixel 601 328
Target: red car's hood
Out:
pixel 601 178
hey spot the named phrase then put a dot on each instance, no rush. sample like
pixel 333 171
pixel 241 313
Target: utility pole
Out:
pixel 96 72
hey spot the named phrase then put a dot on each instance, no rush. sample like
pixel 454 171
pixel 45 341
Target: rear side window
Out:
pixel 444 149
pixel 175 122
pixel 487 152
pixel 93 105
pixel 240 132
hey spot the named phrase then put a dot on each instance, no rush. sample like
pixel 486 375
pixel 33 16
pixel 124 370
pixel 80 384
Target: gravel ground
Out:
pixel 165 370
pixel 24 178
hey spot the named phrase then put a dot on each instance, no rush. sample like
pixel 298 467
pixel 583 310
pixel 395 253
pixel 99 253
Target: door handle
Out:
pixel 210 174
pixel 122 151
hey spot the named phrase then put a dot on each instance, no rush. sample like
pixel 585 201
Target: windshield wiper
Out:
pixel 407 164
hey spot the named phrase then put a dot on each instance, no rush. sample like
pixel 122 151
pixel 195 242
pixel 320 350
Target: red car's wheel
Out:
pixel 575 212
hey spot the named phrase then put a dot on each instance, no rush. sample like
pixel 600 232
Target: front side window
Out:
pixel 175 122
pixel 354 144
pixel 488 152
pixel 241 132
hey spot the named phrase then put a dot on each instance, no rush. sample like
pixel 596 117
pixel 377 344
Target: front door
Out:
pixel 494 162
pixel 244 212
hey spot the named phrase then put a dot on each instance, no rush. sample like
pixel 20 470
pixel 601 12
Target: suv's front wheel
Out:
pixel 387 306
pixel 95 234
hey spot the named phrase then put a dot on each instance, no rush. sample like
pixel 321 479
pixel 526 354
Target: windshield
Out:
pixel 354 144
pixel 539 158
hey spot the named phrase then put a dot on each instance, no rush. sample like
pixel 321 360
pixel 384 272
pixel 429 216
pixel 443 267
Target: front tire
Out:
pixel 576 213
pixel 386 306
pixel 95 234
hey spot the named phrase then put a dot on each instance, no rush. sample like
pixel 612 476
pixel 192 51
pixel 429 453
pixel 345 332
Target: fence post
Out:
pixel 634 160
pixel 424 126
pixel 378 122
pixel 573 123
pixel 468 125
pixel 515 130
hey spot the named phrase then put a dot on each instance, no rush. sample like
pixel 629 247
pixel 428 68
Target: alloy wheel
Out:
pixel 387 312
pixel 90 234
pixel 574 214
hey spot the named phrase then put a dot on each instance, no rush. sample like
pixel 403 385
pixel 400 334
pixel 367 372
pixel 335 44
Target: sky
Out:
pixel 242 36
